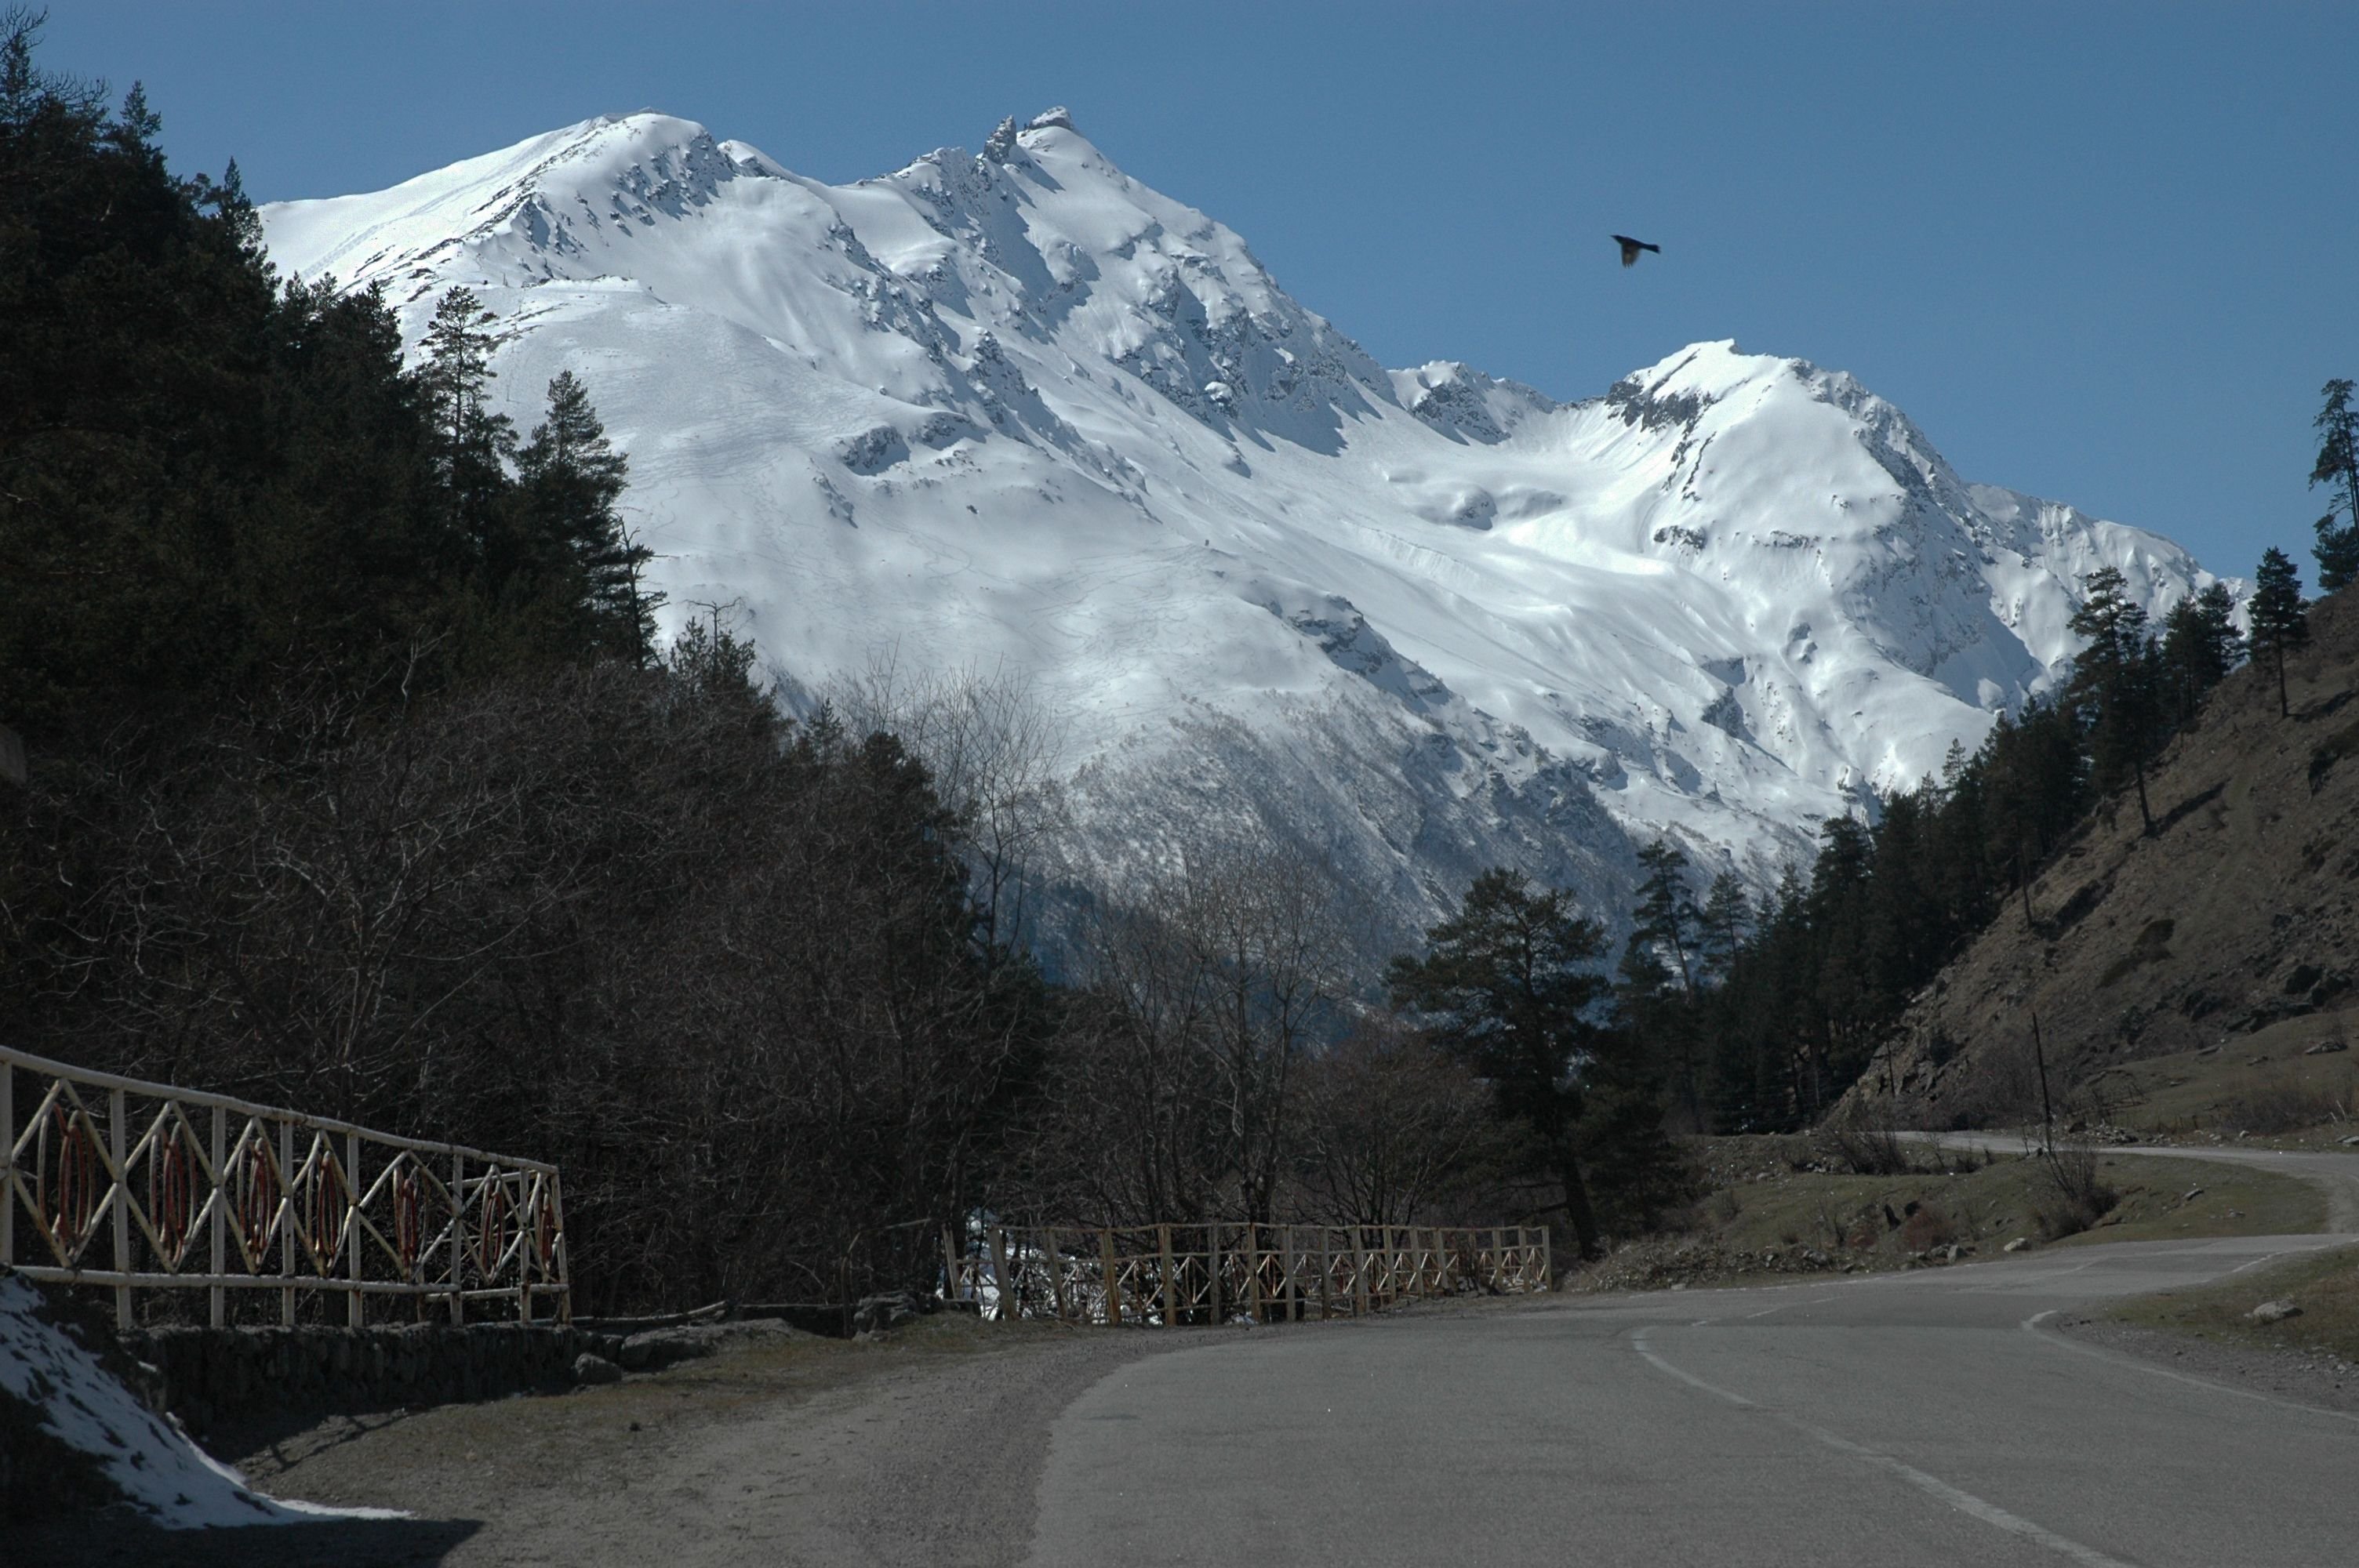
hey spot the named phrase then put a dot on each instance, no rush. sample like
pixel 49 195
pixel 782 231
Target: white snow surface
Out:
pixel 1014 412
pixel 160 1471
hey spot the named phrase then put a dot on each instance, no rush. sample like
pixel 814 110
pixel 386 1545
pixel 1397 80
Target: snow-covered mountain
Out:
pixel 1013 412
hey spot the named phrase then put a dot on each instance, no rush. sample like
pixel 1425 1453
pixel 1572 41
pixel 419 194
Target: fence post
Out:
pixel 217 1302
pixel 118 1112
pixel 1548 1261
pixel 8 1162
pixel 1359 1272
pixel 353 1313
pixel 1171 1300
pixel 1253 1272
pixel 1212 1270
pixel 1289 1257
pixel 458 1249
pixel 1326 1275
pixel 557 1253
pixel 1010 1307
pixel 1113 1278
pixel 286 1222
pixel 1050 1244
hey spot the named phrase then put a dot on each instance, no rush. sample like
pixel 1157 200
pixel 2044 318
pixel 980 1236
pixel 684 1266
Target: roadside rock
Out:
pixel 590 1370
pixel 2273 1312
pixel 2017 1245
pixel 657 1349
pixel 893 1310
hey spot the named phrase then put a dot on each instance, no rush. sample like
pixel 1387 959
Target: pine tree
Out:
pixel 2338 464
pixel 2114 682
pixel 2199 645
pixel 1505 984
pixel 1666 916
pixel 1722 924
pixel 569 479
pixel 472 443
pixel 2279 616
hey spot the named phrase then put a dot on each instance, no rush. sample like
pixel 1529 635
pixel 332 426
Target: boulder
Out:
pixel 2275 1312
pixel 591 1370
pixel 884 1312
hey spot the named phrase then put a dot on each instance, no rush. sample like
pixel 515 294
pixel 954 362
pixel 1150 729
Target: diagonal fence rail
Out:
pixel 1173 1275
pixel 141 1186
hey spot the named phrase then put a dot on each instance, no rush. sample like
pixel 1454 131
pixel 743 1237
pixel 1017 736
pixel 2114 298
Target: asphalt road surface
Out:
pixel 1920 1418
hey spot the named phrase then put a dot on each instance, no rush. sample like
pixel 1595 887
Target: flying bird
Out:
pixel 1630 249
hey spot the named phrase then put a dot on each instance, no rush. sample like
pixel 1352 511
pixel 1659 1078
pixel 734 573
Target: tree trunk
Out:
pixel 2285 708
pixel 2137 769
pixel 1576 1206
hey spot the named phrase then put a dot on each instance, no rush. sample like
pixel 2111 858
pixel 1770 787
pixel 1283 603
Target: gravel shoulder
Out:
pixel 925 1447
pixel 2298 1377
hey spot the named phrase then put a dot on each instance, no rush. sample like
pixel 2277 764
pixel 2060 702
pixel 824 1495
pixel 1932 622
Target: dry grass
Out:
pixel 2324 1284
pixel 2265 1085
pixel 1778 1202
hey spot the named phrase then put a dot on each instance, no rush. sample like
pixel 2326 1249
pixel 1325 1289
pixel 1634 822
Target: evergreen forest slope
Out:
pixel 2242 910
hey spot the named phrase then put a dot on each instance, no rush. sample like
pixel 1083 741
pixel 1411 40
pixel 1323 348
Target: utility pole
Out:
pixel 2047 1107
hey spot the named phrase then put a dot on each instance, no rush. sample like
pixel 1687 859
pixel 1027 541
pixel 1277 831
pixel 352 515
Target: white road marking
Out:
pixel 1965 1502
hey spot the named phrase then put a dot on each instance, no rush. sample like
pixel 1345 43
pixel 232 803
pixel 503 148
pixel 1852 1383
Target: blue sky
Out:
pixel 2101 252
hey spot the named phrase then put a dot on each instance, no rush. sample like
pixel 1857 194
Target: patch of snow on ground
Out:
pixel 158 1470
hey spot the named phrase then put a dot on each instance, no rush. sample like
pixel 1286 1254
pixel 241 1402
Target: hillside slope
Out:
pixel 2242 911
pixel 1014 412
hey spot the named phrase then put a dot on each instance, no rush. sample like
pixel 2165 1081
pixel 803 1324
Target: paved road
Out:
pixel 2336 1175
pixel 1918 1418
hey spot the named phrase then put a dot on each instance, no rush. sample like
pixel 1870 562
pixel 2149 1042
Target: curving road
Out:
pixel 1917 1418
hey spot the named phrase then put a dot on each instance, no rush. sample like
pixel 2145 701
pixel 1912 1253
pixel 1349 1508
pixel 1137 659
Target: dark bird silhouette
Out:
pixel 1630 249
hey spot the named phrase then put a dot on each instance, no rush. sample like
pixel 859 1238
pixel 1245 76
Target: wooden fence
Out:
pixel 1171 1275
pixel 144 1186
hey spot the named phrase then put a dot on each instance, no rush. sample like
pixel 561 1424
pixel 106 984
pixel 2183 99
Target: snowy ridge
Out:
pixel 1015 411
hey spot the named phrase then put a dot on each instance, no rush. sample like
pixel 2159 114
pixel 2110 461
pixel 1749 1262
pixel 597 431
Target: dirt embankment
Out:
pixel 2241 911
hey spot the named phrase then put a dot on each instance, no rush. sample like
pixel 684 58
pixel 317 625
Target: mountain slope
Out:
pixel 1015 412
pixel 2242 911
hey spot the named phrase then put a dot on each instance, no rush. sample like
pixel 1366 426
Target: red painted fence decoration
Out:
pixel 142 1187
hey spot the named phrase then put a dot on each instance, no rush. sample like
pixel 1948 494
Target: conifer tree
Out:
pixel 2199 645
pixel 1505 984
pixel 2279 616
pixel 1666 916
pixel 1722 924
pixel 2114 682
pixel 569 479
pixel 2338 465
pixel 472 443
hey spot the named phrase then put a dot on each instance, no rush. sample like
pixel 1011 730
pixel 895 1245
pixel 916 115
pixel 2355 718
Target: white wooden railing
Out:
pixel 145 1187
pixel 1172 1275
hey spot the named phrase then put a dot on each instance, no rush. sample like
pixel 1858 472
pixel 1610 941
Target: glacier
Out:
pixel 1013 412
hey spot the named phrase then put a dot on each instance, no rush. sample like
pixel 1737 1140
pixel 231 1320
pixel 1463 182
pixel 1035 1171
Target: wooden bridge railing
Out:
pixel 1170 1275
pixel 144 1186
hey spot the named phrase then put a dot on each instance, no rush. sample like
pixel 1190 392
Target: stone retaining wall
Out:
pixel 213 1376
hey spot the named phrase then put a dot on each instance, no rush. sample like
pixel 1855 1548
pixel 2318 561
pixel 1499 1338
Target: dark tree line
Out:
pixel 358 785
pixel 1761 1015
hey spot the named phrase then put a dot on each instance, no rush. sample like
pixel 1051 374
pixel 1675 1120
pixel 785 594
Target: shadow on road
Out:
pixel 330 1543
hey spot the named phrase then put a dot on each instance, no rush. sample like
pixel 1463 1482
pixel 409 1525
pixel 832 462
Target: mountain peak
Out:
pixel 1019 411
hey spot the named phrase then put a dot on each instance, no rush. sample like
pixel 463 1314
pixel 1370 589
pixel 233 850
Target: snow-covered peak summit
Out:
pixel 1013 410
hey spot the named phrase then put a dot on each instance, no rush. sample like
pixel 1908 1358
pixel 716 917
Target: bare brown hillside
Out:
pixel 2242 911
